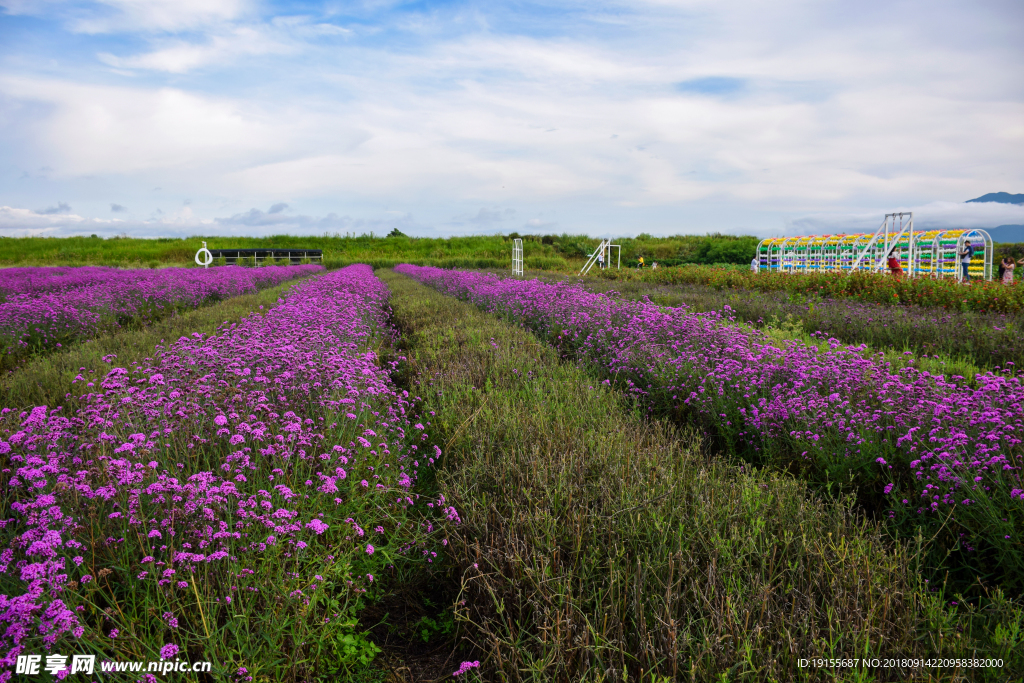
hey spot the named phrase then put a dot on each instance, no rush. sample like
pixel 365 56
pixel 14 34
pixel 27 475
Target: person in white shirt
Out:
pixel 965 260
pixel 755 265
pixel 600 260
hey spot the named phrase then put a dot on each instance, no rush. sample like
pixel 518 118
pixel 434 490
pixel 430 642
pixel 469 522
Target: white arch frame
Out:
pixel 923 254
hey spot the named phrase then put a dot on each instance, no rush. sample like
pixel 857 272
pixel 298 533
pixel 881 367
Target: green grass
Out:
pixel 547 252
pixel 597 545
pixel 46 379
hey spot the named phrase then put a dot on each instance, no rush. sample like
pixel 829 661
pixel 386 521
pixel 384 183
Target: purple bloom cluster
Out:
pixel 465 667
pixel 225 469
pixel 926 447
pixel 43 307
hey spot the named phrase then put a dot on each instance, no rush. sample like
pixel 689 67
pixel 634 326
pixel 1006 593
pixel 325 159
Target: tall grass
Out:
pixel 397 248
pixel 946 293
pixel 597 546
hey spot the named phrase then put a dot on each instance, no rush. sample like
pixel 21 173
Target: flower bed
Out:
pixel 981 296
pixel 985 339
pixel 232 498
pixel 47 307
pixel 930 454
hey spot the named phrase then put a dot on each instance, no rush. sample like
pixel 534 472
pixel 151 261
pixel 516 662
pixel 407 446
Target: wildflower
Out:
pixel 317 526
pixel 466 666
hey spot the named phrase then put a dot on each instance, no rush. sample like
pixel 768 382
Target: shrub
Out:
pixel 544 263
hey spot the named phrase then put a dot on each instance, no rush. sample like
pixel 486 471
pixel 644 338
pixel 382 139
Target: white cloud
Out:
pixel 110 16
pixel 160 15
pixel 932 216
pixel 834 112
pixel 275 220
pixel 180 56
pixel 101 129
pixel 16 222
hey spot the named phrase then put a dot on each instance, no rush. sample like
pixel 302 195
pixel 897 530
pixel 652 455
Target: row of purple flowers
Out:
pixel 933 455
pixel 231 499
pixel 60 305
pixel 49 280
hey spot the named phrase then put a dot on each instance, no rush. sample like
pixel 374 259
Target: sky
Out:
pixel 244 117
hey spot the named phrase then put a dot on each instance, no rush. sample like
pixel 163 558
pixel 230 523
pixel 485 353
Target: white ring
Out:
pixel 207 260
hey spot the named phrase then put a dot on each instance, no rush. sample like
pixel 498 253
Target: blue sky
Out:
pixel 182 117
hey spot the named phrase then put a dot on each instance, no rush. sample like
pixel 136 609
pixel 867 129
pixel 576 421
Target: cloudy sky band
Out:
pixel 606 118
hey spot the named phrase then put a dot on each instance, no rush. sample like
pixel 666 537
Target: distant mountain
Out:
pixel 1007 233
pixel 1002 198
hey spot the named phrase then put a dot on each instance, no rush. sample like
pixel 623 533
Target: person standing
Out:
pixel 640 263
pixel 894 264
pixel 965 260
pixel 600 260
pixel 1006 268
pixel 755 265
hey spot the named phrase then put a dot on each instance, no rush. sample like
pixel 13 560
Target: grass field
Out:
pixel 548 252
pixel 566 532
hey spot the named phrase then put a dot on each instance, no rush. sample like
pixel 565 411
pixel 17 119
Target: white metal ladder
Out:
pixel 592 259
pixel 893 228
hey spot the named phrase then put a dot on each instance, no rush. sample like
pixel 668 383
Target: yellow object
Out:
pixel 933 253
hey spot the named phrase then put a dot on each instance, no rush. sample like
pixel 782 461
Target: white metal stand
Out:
pixel 896 228
pixel 517 257
pixel 605 249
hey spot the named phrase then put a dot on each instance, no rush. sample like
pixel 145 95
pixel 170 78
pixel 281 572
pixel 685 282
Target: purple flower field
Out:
pixel 41 308
pixel 929 454
pixel 233 497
